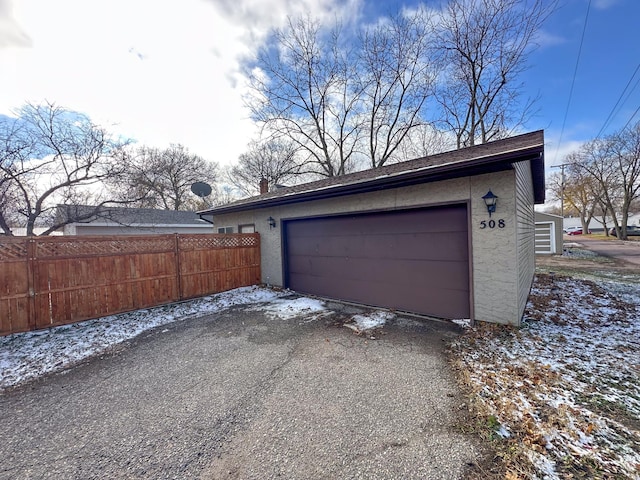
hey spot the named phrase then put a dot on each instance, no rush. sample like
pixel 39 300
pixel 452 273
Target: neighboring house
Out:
pixel 22 231
pixel 634 219
pixel 130 221
pixel 548 233
pixel 414 236
pixel 596 226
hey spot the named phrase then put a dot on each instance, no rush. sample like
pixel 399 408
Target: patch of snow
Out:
pixel 503 432
pixel 285 308
pixel 544 465
pixel 375 319
pixel 24 356
pixel 463 322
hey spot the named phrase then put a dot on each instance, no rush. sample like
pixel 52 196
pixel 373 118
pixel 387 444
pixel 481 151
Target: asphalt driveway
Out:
pixel 626 251
pixel 241 395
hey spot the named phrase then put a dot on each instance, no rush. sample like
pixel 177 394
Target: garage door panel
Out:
pixel 451 220
pixel 413 299
pixel 415 260
pixel 440 274
pixel 425 246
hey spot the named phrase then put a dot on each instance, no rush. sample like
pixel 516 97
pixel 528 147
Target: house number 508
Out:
pixel 492 224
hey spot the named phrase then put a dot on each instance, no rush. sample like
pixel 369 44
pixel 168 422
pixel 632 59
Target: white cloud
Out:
pixel 161 72
pixel 544 39
pixel 11 34
pixel 556 153
pixel 604 4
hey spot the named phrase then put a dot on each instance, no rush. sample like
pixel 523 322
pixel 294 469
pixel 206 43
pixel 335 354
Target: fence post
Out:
pixel 178 269
pixel 31 292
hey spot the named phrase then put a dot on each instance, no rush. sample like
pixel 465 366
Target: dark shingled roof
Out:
pixel 128 215
pixel 485 158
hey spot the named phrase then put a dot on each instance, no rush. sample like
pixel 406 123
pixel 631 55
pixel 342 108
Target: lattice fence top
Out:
pixel 59 247
pixel 81 247
pixel 223 240
pixel 13 249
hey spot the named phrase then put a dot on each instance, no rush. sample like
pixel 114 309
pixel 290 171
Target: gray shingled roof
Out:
pixel 128 216
pixel 492 156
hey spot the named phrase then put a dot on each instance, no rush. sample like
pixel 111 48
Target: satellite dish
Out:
pixel 201 189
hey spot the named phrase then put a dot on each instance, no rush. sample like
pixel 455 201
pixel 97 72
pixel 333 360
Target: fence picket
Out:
pixel 49 281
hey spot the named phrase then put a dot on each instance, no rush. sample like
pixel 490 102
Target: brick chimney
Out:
pixel 264 186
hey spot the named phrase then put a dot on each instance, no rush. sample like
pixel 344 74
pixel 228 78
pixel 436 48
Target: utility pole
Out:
pixel 561 167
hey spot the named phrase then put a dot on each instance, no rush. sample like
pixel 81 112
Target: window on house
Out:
pixel 250 228
pixel 225 229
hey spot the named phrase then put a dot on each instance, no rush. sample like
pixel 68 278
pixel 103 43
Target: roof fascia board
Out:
pixel 464 168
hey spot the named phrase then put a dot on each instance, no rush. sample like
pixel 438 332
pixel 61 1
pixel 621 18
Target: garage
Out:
pixel 450 235
pixel 413 260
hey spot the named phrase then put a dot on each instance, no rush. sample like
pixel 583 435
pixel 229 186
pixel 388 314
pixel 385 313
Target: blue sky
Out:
pixel 163 71
pixel 610 55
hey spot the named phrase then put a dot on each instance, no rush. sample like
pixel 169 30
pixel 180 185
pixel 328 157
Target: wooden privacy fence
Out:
pixel 48 281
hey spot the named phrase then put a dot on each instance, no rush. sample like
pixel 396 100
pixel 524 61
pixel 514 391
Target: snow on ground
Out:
pixel 24 356
pixel 286 308
pixel 565 387
pixel 375 319
pixel 463 322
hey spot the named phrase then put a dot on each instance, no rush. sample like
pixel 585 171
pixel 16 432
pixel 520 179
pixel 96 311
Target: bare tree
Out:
pixel 49 156
pixel 614 163
pixel 346 99
pixel 397 79
pixel 274 160
pixel 579 191
pixel 163 178
pixel 424 140
pixel 15 148
pixel 303 88
pixel 485 45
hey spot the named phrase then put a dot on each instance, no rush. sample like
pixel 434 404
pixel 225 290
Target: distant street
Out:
pixel 620 250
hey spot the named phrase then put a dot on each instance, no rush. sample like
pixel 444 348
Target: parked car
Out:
pixel 632 231
pixel 576 231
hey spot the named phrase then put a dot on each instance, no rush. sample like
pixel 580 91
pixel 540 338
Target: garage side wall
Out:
pixel 493 252
pixel 525 233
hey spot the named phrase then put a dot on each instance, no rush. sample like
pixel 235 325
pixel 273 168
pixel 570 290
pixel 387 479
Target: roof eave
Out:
pixel 412 177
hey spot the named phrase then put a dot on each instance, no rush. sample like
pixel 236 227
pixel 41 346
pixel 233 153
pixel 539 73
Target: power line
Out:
pixel 629 121
pixel 611 114
pixel 573 81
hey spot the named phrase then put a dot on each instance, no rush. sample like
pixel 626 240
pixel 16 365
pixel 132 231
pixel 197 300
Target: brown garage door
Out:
pixel 412 260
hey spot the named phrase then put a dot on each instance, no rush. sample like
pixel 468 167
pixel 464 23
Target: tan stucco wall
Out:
pixel 494 271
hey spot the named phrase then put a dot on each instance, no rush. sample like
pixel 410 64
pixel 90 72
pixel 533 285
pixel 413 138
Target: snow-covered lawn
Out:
pixel 564 390
pixel 24 356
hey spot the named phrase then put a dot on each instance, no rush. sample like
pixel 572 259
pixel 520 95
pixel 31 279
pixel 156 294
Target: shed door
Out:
pixel 411 260
pixel 545 238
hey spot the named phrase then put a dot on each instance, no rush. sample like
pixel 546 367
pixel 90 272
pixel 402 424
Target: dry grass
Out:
pixel 559 397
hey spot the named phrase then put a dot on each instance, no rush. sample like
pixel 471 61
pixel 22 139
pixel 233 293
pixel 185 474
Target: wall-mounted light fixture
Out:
pixel 490 201
pixel 272 222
